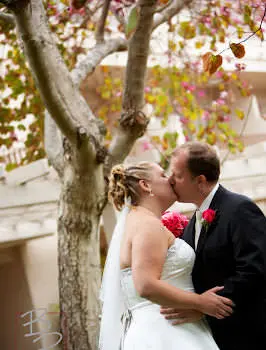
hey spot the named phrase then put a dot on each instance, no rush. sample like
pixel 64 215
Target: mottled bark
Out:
pixel 94 58
pixel 81 202
pixel 99 34
pixel 133 121
pixel 59 94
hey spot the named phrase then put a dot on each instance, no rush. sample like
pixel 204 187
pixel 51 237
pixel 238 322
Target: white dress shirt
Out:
pixel 204 206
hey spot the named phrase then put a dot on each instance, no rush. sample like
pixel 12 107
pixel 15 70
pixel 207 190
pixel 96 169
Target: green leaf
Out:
pixel 132 21
pixel 11 166
pixel 21 127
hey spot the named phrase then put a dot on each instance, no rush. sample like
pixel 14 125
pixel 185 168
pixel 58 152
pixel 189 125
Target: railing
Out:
pixel 14 155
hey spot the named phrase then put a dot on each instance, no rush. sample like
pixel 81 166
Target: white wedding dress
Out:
pixel 145 328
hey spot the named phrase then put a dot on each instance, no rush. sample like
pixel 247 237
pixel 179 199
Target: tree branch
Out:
pixel 133 121
pixel 61 97
pixel 99 35
pixel 173 9
pixel 7 19
pixel 53 144
pixel 95 56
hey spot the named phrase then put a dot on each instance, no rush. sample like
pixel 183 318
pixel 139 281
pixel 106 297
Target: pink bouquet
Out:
pixel 175 222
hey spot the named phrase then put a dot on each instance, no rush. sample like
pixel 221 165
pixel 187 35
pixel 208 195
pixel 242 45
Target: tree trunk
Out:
pixel 80 205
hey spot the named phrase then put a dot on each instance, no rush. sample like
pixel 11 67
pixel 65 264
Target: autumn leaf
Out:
pixel 240 114
pixel 259 33
pixel 238 50
pixel 78 4
pixel 211 62
pixel 211 138
pixel 186 30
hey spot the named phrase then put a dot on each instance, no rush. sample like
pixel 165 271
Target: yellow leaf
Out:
pixel 191 127
pixel 198 44
pixel 211 138
pixel 172 45
pixel 222 137
pixel 260 34
pixel 150 98
pixel 193 115
pixel 240 114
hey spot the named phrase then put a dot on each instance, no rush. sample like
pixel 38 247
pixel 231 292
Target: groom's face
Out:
pixel 181 180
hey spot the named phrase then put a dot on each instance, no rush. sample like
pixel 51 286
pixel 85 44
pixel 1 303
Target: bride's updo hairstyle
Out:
pixel 124 182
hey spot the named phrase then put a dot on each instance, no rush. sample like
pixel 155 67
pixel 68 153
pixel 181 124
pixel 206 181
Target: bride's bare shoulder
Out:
pixel 145 224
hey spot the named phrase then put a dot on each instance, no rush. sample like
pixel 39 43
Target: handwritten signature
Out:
pixel 40 315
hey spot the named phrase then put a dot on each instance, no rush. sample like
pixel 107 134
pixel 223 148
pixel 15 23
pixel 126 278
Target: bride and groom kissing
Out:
pixel 205 291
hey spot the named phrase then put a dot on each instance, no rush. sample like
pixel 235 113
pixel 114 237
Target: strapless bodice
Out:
pixel 176 271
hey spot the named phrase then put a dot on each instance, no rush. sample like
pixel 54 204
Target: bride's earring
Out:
pixel 151 194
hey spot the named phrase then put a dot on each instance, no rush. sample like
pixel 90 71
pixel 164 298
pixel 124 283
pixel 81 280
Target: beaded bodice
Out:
pixel 176 271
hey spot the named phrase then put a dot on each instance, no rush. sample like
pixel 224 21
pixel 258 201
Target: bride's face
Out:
pixel 161 187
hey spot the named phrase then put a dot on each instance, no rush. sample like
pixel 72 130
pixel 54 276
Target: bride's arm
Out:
pixel 149 249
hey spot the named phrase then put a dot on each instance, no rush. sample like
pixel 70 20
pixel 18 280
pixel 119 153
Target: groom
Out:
pixel 230 247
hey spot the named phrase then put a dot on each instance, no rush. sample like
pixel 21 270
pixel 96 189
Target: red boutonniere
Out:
pixel 175 222
pixel 208 217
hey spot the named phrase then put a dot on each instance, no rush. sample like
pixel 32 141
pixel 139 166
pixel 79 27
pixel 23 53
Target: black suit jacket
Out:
pixel 231 252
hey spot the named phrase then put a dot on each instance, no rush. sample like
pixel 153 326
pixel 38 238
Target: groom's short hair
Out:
pixel 202 160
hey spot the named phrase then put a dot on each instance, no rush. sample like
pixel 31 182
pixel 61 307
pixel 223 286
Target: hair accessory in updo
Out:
pixel 117 186
pixel 124 183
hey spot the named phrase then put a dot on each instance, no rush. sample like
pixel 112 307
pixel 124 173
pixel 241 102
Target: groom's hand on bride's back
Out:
pixel 209 303
pixel 215 305
pixel 181 316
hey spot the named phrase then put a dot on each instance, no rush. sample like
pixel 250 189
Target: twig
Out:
pixel 99 35
pixel 162 8
pixel 242 130
pixel 7 18
pixel 251 35
pixel 169 11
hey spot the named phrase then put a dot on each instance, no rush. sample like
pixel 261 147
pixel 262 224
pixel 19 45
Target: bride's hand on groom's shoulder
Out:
pixel 181 316
pixel 215 305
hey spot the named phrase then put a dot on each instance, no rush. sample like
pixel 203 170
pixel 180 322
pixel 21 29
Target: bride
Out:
pixel 147 267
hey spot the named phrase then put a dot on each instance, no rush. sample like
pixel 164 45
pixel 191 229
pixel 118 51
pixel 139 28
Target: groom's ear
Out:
pixel 201 180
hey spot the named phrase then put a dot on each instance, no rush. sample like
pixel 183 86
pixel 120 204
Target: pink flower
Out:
pixel 240 66
pixel 146 146
pixel 192 88
pixel 201 93
pixel 185 84
pixel 183 120
pixel 175 222
pixel 206 115
pixel 225 11
pixel 208 216
pixel 220 102
pixel 226 118
pixel 219 74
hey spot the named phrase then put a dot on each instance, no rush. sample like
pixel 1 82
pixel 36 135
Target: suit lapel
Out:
pixel 206 231
pixel 189 233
